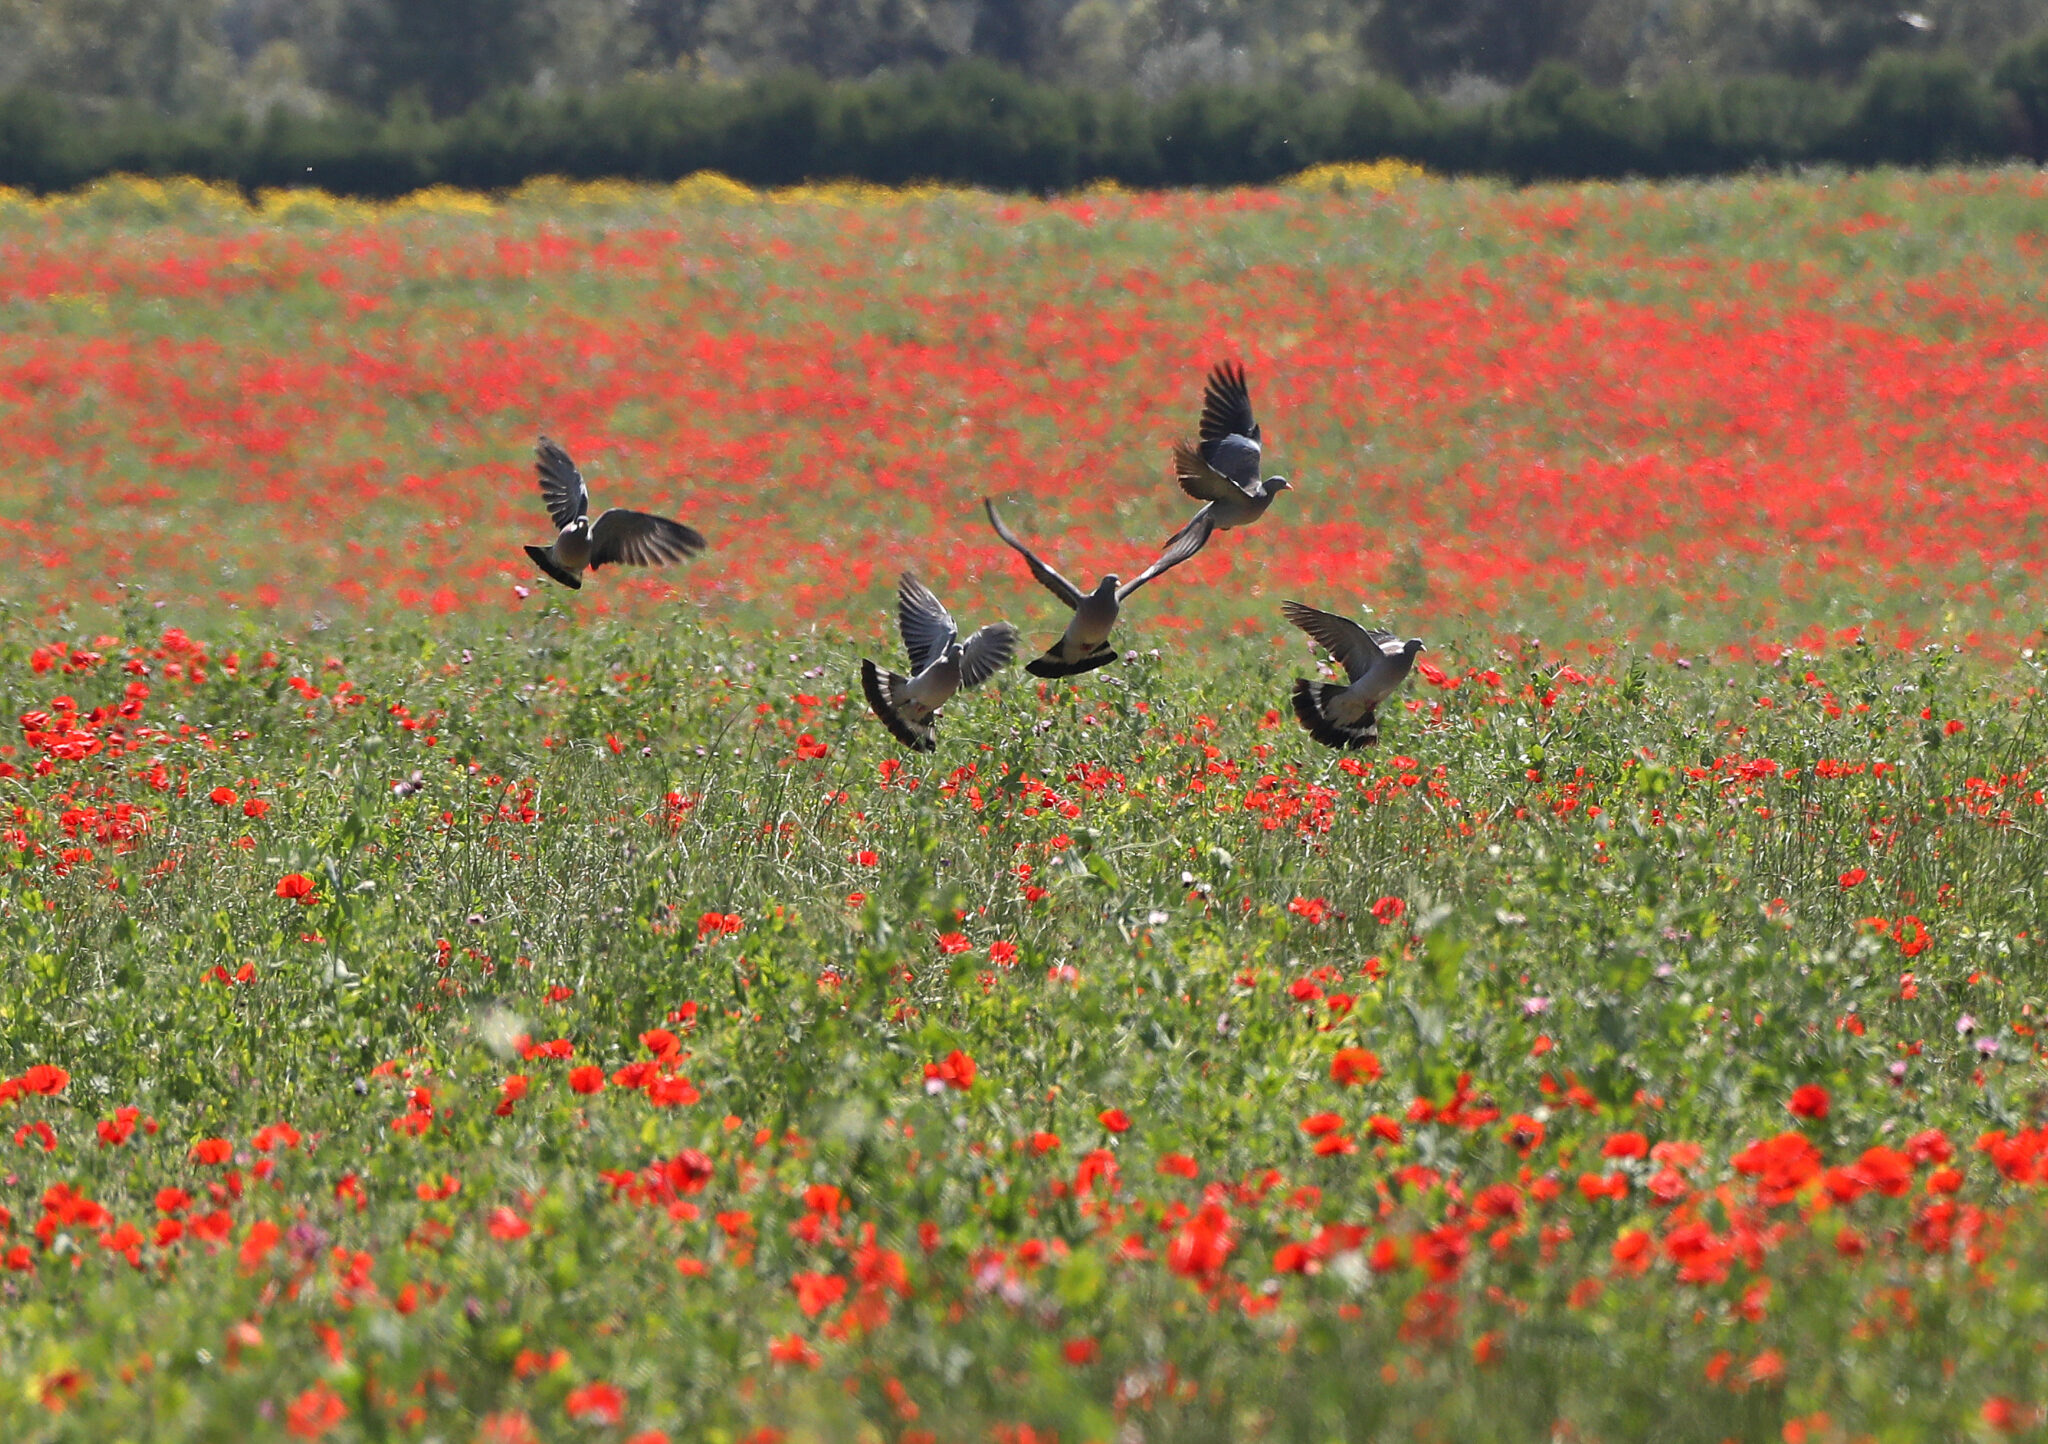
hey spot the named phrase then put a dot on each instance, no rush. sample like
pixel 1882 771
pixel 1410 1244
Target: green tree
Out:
pixel 448 54
pixel 2023 74
pixel 1024 35
pixel 1165 46
pixel 166 55
pixel 1426 42
pixel 674 29
pixel 840 39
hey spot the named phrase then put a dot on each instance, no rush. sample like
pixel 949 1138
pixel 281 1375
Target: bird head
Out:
pixel 1414 646
pixel 1276 484
pixel 1107 585
pixel 576 527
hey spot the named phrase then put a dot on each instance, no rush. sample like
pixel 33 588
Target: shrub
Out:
pixel 2023 75
pixel 977 124
pixel 1921 110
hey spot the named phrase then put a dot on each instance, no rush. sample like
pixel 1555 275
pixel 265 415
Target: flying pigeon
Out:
pixel 633 537
pixel 1085 644
pixel 1377 662
pixel 940 663
pixel 1223 468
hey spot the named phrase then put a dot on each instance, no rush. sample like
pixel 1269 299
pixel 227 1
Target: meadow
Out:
pixel 435 1005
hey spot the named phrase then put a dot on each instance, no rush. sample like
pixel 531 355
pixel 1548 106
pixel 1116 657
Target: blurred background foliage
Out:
pixel 191 57
pixel 375 96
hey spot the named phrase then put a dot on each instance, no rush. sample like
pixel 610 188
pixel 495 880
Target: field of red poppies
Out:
pixel 436 1005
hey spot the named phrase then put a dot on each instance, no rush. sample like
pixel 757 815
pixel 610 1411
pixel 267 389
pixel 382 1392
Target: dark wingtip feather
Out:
pixel 1309 706
pixel 1226 406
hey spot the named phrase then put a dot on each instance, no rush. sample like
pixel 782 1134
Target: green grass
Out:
pixel 1698 969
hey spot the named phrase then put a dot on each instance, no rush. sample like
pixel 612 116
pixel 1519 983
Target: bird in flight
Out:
pixel 1222 468
pixel 636 538
pixel 940 665
pixel 1085 644
pixel 1341 714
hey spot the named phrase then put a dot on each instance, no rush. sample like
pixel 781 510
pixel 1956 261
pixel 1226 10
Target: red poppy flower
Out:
pixel 510 1427
pixel 955 1070
pixel 1312 909
pixel 1354 1065
pixel 2006 1416
pixel 314 1413
pixel 717 925
pixel 297 887
pixel 596 1403
pixel 117 1130
pixel 1625 1145
pixel 817 1292
pixel 45 1078
pixel 1809 1100
pixel 1203 1244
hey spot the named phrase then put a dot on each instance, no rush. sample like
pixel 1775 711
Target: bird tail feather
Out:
pixel 883 690
pixel 1312 703
pixel 546 563
pixel 1053 665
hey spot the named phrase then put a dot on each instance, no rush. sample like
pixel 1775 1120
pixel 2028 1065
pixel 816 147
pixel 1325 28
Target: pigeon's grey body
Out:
pixel 633 537
pixel 1222 467
pixel 1347 714
pixel 1084 646
pixel 940 665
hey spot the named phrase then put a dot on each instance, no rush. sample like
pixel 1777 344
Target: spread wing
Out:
pixel 927 627
pixel 641 540
pixel 1230 437
pixel 1182 545
pixel 1354 648
pixel 561 484
pixel 1204 482
pixel 1051 580
pixel 987 652
pixel 1227 406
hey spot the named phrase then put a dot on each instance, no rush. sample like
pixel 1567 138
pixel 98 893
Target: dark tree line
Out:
pixel 979 124
pixel 439 57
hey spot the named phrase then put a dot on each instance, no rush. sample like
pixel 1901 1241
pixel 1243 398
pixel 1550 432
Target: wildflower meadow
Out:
pixel 439 1005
